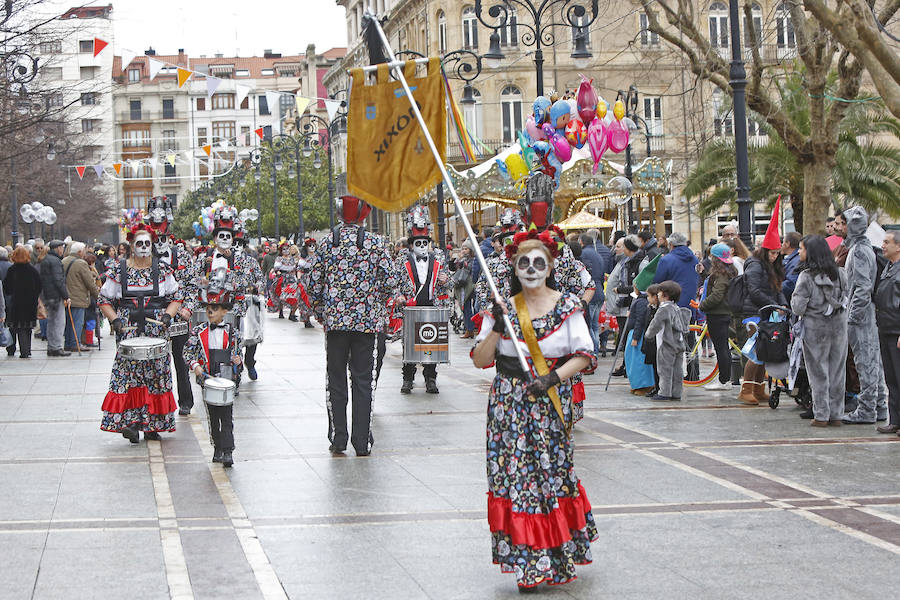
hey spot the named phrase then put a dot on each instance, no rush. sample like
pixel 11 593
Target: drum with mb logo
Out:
pixel 426 336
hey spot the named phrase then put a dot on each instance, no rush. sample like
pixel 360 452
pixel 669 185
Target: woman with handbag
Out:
pixel 538 513
pixel 22 285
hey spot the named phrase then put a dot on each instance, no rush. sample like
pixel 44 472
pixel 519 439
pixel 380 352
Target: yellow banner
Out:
pixel 389 164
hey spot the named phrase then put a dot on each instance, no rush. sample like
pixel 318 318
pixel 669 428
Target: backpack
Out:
pixel 772 341
pixel 737 291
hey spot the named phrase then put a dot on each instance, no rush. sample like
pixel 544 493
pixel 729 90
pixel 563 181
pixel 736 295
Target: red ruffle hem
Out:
pixel 157 404
pixel 578 393
pixel 538 530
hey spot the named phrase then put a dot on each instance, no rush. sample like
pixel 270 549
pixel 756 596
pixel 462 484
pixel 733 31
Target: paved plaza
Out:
pixel 699 499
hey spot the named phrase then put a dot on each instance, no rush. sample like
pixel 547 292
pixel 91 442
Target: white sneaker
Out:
pixel 717 386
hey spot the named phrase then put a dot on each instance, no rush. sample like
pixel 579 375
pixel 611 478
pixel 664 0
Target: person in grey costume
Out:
pixel 672 322
pixel 862 331
pixel 818 299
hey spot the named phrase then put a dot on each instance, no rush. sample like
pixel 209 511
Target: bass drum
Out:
pixel 253 323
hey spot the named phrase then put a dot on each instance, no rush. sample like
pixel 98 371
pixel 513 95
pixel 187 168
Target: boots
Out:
pixel 748 388
pixel 759 391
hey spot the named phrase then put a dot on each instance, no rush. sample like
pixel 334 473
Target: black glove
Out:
pixel 117 326
pixel 497 313
pixel 539 385
pixel 166 319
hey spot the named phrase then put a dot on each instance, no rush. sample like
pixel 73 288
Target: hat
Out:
pixel 509 223
pixel 537 205
pixel 159 214
pixel 645 277
pixel 219 289
pixel 54 244
pixel 772 241
pixel 224 219
pixel 722 252
pixel 239 232
pixel 418 223
pixel 353 210
pixel 677 239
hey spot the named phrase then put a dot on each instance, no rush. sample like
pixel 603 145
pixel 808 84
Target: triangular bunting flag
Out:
pixel 332 107
pixel 80 171
pixel 99 45
pixel 302 103
pixel 171 158
pixel 127 58
pixel 259 132
pixel 208 149
pixel 212 84
pixel 242 91
pixel 155 66
pixel 117 167
pixel 273 99
pixel 188 155
pixel 183 76
pixel 223 144
pixel 98 169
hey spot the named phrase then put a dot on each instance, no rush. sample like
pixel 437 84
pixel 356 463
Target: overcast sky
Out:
pixel 232 27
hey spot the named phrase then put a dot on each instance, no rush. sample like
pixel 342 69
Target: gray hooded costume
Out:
pixel 862 331
pixel 820 303
pixel 673 323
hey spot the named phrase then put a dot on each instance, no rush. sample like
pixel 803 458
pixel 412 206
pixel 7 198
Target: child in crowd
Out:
pixel 649 346
pixel 672 322
pixel 213 349
pixel 640 374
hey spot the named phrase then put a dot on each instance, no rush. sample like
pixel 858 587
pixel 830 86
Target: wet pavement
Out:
pixel 698 499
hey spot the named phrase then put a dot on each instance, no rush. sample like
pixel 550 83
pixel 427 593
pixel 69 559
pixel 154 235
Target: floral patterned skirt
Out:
pixel 538 512
pixel 139 396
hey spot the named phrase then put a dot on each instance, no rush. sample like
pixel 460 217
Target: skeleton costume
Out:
pixel 351 281
pixel 304 264
pixel 249 286
pixel 286 289
pixel 498 264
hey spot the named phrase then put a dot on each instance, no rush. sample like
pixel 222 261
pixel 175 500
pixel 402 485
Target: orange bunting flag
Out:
pixel 80 171
pixel 208 149
pixel 259 132
pixel 117 167
pixel 99 45
pixel 183 76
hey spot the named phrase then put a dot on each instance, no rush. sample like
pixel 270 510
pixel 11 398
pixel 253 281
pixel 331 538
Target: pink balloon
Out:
pixel 587 100
pixel 548 130
pixel 597 141
pixel 617 136
pixel 561 147
pixel 533 130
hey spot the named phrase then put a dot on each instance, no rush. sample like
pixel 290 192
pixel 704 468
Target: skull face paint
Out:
pixel 142 245
pixel 162 244
pixel 420 247
pixel 532 269
pixel 223 240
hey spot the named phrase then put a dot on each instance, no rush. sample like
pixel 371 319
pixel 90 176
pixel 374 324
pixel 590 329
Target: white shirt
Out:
pixel 219 261
pixel 217 337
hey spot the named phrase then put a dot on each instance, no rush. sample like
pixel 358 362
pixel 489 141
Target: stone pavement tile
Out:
pixel 15 383
pixel 35 440
pixel 841 470
pixel 88 440
pixel 194 493
pixel 116 490
pixel 20 555
pixel 39 407
pixel 217 565
pixel 101 564
pixel 29 491
pixel 471 496
pixel 52 384
pixel 9 405
pixel 891 510
pixel 437 471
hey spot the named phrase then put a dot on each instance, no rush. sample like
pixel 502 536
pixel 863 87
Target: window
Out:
pixel 88 98
pixel 52 73
pixel 86 46
pixel 470 29
pixel 245 134
pixel 286 102
pixel 134 75
pixel 474 115
pixel 169 169
pixel 511 111
pixel 442 32
pixel 140 170
pixel 168 106
pixel 509 35
pixel 263 105
pixel 267 133
pixel 267 72
pixel 174 199
pixel 89 72
pixel 653 117
pixel 90 125
pixel 202 136
pixel 756 21
pixel 648 38
pixel 220 101
pixel 242 73
pixel 51 47
pixel 756 129
pixel 245 103
pixel 723 125
pixel 223 130
pixel 168 140
pixel 55 99
pixel 137 198
pixel 287 71
pixel 134 109
pixel 718 25
pixel 136 138
pixel 784 27
pixel 201 103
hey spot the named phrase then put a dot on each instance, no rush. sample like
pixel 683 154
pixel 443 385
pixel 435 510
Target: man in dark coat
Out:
pixel 56 298
pixel 887 316
pixel 22 287
pixel 680 266
pixel 649 244
pixel 596 266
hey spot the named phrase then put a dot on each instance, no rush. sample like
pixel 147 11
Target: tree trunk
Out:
pixel 816 196
pixel 797 207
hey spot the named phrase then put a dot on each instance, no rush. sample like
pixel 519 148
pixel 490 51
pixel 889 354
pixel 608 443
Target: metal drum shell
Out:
pixel 412 315
pixel 143 348
pixel 179 328
pixel 218 391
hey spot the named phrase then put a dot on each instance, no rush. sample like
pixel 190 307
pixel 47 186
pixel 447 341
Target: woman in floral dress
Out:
pixel 140 391
pixel 286 280
pixel 539 515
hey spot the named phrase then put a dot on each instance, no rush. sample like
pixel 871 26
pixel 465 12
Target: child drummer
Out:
pixel 213 350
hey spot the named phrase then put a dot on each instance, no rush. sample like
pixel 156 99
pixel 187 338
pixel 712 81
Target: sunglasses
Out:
pixel 142 244
pixel 539 263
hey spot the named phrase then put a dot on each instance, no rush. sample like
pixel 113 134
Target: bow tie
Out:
pixel 214 326
pixel 422 259
pixel 164 254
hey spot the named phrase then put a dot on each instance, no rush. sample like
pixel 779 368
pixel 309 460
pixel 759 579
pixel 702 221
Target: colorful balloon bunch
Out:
pixel 205 224
pixel 130 218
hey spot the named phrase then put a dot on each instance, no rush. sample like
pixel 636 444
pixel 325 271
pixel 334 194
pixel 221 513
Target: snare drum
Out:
pixel 218 391
pixel 144 348
pixel 426 336
pixel 179 328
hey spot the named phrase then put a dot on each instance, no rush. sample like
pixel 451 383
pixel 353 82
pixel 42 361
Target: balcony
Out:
pixel 131 116
pixel 170 182
pixel 168 146
pixel 454 151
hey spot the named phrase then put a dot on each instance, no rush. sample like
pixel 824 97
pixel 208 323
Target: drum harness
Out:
pixel 142 301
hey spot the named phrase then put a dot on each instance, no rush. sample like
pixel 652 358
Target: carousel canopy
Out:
pixel 585 220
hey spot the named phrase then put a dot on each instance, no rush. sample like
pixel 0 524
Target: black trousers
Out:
pixel 23 336
pixel 221 427
pixel 890 358
pixel 250 356
pixel 355 350
pixel 381 340
pixel 718 331
pixel 182 377
pixel 409 371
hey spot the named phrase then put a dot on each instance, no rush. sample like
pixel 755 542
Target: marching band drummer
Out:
pixel 497 263
pixel 423 282
pixel 139 298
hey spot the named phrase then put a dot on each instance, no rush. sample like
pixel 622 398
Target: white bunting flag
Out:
pixel 127 57
pixel 332 107
pixel 98 169
pixel 212 84
pixel 242 91
pixel 171 158
pixel 273 99
pixel 155 66
pixel 302 103
pixel 224 145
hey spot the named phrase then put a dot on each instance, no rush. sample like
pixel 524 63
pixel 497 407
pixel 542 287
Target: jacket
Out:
pixel 487 250
pixel 887 300
pixel 22 286
pixel 79 282
pixel 637 319
pixel 816 295
pixel 52 280
pixel 674 322
pixel 759 289
pixel 716 301
pixel 2 302
pixel 630 268
pixel 613 306
pixel 791 262
pixel 860 265
pixel 609 259
pixel 651 248
pixel 594 264
pixel 680 266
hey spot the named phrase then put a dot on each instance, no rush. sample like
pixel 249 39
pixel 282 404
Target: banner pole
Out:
pixel 398 73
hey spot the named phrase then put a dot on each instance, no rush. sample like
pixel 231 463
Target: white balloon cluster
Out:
pixel 36 211
pixel 248 214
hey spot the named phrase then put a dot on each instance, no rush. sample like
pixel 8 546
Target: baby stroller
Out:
pixel 779 345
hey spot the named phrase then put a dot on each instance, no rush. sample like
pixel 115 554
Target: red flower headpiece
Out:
pixel 544 237
pixel 133 231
